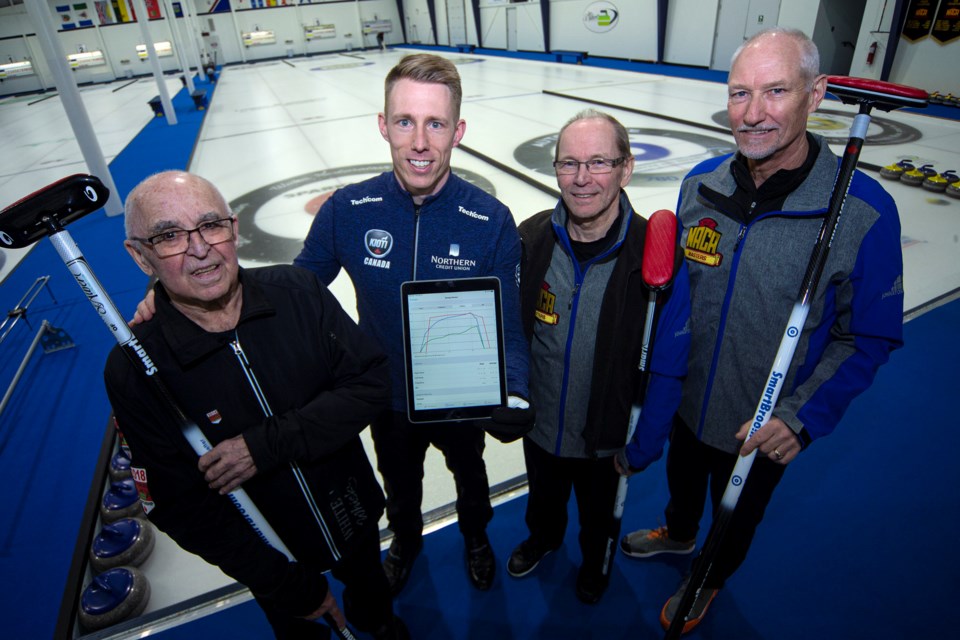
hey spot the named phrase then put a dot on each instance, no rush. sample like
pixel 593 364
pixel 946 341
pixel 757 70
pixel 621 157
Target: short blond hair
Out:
pixel 427 68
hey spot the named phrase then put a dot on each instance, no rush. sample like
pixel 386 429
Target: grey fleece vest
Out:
pixel 560 379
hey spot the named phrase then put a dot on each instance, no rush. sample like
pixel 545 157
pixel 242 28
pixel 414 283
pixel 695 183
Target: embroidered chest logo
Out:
pixel 545 304
pixel 378 244
pixel 214 416
pixel 702 243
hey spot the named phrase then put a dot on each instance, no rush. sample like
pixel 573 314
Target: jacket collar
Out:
pixel 188 341
pixel 446 191
pixel 559 220
pixel 810 195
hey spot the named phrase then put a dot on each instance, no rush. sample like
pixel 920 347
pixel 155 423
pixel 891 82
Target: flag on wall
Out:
pixel 946 28
pixel 73 16
pixel 104 12
pixel 123 10
pixel 919 19
pixel 153 10
pixel 218 6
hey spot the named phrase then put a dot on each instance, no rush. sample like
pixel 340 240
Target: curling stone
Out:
pixel 114 596
pixel 121 500
pixel 915 177
pixel 127 541
pixel 939 182
pixel 894 171
pixel 119 466
pixel 953 190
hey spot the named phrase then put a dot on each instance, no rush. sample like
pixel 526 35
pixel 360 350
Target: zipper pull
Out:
pixel 576 290
pixel 740 234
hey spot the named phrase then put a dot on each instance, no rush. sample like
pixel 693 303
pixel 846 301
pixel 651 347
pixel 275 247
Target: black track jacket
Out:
pixel 297 354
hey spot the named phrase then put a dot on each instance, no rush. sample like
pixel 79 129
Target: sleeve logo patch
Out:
pixel 140 480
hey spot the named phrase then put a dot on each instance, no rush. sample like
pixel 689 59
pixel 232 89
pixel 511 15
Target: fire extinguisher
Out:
pixel 871 53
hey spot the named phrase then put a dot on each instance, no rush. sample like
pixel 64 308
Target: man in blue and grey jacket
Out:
pixel 749 224
pixel 583 305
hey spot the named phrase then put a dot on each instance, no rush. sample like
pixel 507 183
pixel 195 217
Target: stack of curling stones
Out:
pixel 119 591
pixel 923 176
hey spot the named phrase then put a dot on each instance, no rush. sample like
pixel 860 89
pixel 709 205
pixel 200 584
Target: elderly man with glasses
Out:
pixel 583 307
pixel 281 381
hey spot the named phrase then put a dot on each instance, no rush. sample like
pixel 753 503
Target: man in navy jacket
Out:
pixel 421 222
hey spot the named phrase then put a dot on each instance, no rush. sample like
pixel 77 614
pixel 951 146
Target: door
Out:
pixel 511 28
pixel 737 20
pixel 456 22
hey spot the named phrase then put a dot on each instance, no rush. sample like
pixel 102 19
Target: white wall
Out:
pixel 691 25
pixel 634 37
pixel 493 26
pixel 920 64
pixel 800 14
pixel 118 41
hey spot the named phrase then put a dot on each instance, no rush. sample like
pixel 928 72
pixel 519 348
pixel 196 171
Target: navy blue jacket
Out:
pixel 374 231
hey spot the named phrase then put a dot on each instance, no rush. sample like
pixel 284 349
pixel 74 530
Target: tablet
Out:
pixel 453 349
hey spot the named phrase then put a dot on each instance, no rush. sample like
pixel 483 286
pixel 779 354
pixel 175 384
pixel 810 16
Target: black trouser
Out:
pixel 367 603
pixel 401 447
pixel 550 480
pixel 692 467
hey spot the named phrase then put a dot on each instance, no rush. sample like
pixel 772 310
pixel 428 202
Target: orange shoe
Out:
pixel 697 611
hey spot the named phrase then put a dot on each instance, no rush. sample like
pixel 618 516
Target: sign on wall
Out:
pixel 319 31
pixel 377 26
pixel 601 17
pixel 12 69
pixel 254 38
pixel 162 49
pixel 86 59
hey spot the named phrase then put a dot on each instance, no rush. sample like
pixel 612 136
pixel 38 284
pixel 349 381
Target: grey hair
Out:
pixel 809 61
pixel 619 131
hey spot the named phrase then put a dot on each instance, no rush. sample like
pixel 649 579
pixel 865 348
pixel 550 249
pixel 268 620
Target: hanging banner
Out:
pixel 919 19
pixel 946 28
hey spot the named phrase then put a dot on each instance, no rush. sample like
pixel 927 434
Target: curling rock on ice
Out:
pixel 127 541
pixel 114 596
pixel 121 500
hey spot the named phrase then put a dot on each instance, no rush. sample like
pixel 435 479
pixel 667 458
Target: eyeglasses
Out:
pixel 173 242
pixel 597 165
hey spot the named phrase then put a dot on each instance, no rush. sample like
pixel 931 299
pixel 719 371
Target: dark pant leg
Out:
pixel 367 603
pixel 401 448
pixel 287 627
pixel 595 483
pixel 549 486
pixel 462 446
pixel 688 470
pixel 764 477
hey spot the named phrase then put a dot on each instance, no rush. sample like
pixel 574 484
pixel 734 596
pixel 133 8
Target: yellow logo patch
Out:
pixel 545 303
pixel 703 242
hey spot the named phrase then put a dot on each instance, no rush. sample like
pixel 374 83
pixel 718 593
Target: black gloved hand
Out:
pixel 511 422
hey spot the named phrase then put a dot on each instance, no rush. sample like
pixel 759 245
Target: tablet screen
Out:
pixel 453 347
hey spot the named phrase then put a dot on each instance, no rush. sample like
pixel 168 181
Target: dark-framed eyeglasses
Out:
pixel 173 242
pixel 595 165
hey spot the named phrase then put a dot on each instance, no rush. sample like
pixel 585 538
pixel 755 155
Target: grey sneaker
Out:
pixel 644 543
pixel 697 611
